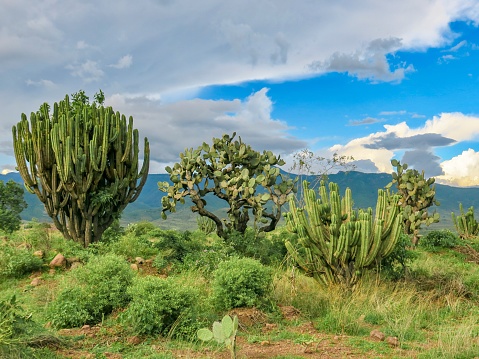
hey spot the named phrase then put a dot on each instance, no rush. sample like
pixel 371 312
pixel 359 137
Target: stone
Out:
pixel 36 282
pixel 86 327
pixel 139 260
pixel 392 341
pixel 134 266
pixel 377 335
pixel 39 254
pixel 58 261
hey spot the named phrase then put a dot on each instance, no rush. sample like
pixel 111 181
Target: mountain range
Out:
pixel 364 187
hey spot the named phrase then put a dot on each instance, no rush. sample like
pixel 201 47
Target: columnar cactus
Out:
pixel 232 171
pixel 82 163
pixel 335 242
pixel 466 225
pixel 417 195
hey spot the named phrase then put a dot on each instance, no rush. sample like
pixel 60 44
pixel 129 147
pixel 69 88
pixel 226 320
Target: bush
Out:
pixel 131 246
pixel 439 239
pixel 90 292
pixel 159 304
pixel 15 262
pixel 240 282
pixel 395 265
pixel 258 246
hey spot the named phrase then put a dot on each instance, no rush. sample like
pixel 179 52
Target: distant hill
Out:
pixel 364 187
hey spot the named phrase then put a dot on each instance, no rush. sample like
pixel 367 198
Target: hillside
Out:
pixel 364 187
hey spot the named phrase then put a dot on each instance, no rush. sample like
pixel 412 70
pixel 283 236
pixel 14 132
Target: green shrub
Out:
pixel 90 292
pixel 15 262
pixel 439 239
pixel 159 304
pixel 130 245
pixel 207 259
pixel 140 228
pixel 395 265
pixel 240 282
pixel 258 246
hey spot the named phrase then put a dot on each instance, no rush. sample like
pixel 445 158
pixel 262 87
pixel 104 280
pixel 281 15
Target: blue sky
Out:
pixel 374 79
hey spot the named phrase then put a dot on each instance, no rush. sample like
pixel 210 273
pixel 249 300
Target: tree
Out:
pixel 11 205
pixel 417 195
pixel 82 163
pixel 233 172
pixel 306 163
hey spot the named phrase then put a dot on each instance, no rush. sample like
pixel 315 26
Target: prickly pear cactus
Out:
pixel 417 195
pixel 466 225
pixel 232 171
pixel 335 242
pixel 223 332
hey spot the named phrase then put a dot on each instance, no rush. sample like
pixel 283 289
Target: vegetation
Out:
pixel 11 205
pixel 466 225
pixel 81 161
pixel 336 243
pixel 233 172
pixel 223 332
pixel 417 195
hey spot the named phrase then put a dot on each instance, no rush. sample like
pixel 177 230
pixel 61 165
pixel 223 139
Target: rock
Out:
pixel 72 260
pixel 377 335
pixel 58 261
pixel 134 266
pixel 39 254
pixel 86 327
pixel 139 260
pixel 134 340
pixel 392 342
pixel 36 282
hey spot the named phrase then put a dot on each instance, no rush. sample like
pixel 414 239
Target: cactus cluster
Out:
pixel 466 225
pixel 417 195
pixel 81 161
pixel 223 332
pixel 335 242
pixel 232 171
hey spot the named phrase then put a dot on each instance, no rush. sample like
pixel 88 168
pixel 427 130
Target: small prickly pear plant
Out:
pixel 223 332
pixel 417 195
pixel 206 225
pixel 465 223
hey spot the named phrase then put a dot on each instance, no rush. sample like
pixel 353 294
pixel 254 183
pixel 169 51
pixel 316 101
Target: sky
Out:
pixel 371 79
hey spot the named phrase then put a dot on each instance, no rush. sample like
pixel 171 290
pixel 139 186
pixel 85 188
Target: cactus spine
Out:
pixel 335 242
pixel 466 225
pixel 81 161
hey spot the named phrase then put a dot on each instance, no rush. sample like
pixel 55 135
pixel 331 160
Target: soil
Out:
pixel 319 345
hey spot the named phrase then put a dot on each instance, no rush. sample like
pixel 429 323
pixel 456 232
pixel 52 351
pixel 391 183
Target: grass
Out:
pixel 433 310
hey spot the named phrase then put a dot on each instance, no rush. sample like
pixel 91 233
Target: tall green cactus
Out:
pixel 466 225
pixel 335 242
pixel 81 161
pixel 417 195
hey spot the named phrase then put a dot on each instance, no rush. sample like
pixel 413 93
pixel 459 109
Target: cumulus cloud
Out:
pixel 124 62
pixel 426 140
pixel 88 71
pixel 461 170
pixel 369 63
pixel 172 127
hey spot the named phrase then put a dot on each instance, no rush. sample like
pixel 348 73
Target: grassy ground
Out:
pixel 432 311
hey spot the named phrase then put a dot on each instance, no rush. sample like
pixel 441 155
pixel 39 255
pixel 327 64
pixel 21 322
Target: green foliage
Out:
pixel 439 239
pixel 235 173
pixel 141 228
pixel 417 195
pixel 81 160
pixel 336 243
pixel 257 245
pixel 113 233
pixel 206 225
pixel 90 292
pixel 11 205
pixel 159 304
pixel 240 282
pixel 466 225
pixel 16 262
pixel 131 246
pixel 223 332
pixel 395 265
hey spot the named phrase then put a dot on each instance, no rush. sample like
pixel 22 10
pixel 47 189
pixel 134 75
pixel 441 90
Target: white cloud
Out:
pixel 89 71
pixel 462 170
pixel 123 63
pixel 40 83
pixel 172 127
